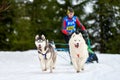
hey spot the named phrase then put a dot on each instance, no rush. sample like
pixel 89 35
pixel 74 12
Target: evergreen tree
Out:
pixel 105 25
pixel 21 21
pixel 45 18
pixel 5 24
pixel 22 39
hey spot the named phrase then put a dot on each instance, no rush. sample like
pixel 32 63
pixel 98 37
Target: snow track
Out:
pixel 25 66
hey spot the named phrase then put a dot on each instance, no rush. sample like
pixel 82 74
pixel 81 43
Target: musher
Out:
pixel 69 26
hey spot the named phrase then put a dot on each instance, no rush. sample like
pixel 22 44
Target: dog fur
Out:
pixel 46 53
pixel 78 51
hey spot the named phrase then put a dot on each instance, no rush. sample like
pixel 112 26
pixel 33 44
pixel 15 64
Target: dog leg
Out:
pixel 51 69
pixel 43 65
pixel 51 66
pixel 54 60
pixel 79 66
pixel 74 61
pixel 82 63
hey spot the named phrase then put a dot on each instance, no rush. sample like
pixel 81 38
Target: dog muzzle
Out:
pixel 77 45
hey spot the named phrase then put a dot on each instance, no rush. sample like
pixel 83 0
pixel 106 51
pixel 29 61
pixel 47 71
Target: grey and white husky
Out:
pixel 46 52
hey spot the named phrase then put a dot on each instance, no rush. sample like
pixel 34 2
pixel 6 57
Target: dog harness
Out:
pixel 44 54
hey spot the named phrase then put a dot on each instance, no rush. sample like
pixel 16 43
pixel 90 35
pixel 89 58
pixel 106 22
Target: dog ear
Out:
pixel 80 34
pixel 36 37
pixel 43 37
pixel 73 34
pixel 47 41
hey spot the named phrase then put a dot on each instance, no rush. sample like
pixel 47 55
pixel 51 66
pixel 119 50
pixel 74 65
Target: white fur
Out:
pixel 78 51
pixel 48 63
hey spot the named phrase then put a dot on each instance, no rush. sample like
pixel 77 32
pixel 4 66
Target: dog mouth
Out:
pixel 77 45
pixel 39 46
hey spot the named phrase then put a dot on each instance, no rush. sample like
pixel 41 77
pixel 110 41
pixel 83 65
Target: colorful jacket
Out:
pixel 69 25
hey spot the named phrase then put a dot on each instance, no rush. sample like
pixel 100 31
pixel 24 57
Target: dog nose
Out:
pixel 39 46
pixel 77 44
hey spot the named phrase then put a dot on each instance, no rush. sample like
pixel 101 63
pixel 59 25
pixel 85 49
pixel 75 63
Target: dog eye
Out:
pixel 40 40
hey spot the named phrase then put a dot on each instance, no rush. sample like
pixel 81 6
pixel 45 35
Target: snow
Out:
pixel 25 65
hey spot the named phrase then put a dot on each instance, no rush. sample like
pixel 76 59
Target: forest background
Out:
pixel 21 20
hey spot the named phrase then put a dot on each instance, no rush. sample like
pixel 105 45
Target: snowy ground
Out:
pixel 25 66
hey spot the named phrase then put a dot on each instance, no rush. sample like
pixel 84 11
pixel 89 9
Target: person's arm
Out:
pixel 64 31
pixel 82 27
pixel 79 24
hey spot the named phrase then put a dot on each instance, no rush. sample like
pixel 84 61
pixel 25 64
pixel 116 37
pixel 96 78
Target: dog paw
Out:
pixel 82 69
pixel 53 67
pixel 77 71
pixel 44 70
pixel 51 71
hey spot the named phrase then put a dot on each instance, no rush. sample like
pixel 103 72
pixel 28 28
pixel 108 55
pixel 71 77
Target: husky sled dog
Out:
pixel 78 51
pixel 46 53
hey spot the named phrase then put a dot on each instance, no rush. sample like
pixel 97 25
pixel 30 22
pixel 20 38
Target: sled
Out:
pixel 92 56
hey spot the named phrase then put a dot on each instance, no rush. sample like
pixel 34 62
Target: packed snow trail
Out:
pixel 25 66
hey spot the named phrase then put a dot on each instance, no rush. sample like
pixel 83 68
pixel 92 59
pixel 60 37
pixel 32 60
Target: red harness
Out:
pixel 78 55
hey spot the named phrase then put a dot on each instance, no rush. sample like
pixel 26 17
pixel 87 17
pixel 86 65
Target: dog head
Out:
pixel 37 37
pixel 76 40
pixel 41 41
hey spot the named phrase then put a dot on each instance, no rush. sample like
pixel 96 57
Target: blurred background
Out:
pixel 21 20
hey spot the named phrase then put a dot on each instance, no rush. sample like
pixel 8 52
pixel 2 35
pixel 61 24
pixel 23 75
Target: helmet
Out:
pixel 70 10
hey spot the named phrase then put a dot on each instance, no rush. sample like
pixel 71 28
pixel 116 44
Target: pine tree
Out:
pixel 5 24
pixel 22 39
pixel 105 25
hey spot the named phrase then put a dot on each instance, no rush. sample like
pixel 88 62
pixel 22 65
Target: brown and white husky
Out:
pixel 46 52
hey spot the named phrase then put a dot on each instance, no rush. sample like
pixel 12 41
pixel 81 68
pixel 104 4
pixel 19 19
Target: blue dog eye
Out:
pixel 40 40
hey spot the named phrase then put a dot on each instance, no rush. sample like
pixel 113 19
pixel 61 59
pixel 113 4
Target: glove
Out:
pixel 69 33
pixel 85 34
pixel 65 32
